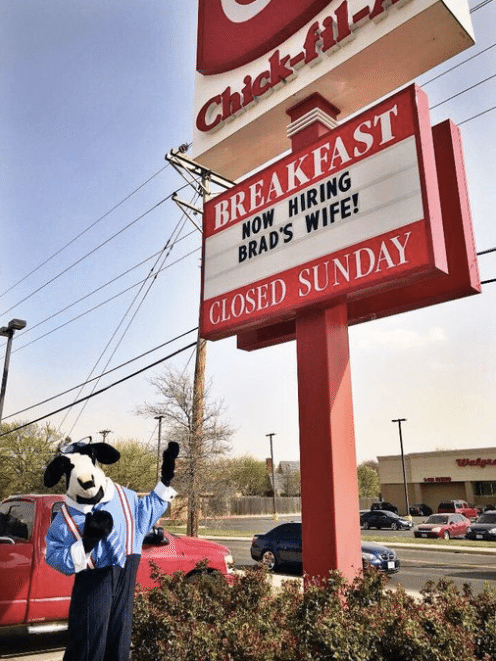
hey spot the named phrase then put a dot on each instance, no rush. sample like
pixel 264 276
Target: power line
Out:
pixel 479 6
pixel 103 286
pixel 81 259
pixel 152 277
pixel 102 390
pixel 116 206
pixel 108 300
pixel 467 89
pixel 469 119
pixel 113 369
pixel 427 82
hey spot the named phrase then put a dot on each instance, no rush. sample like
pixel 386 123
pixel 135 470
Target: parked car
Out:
pixel 384 505
pixel 420 509
pixel 445 526
pixel 281 547
pixel 457 507
pixel 384 519
pixel 35 597
pixel 484 527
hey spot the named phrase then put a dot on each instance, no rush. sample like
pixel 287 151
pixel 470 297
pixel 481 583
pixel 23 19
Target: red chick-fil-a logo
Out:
pixel 322 37
pixel 234 32
pixel 240 11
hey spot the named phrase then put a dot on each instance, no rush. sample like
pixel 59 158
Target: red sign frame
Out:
pixel 277 297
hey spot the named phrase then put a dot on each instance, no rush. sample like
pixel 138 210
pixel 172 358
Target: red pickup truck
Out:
pixel 35 596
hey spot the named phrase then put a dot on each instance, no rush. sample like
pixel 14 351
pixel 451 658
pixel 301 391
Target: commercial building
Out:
pixel 435 476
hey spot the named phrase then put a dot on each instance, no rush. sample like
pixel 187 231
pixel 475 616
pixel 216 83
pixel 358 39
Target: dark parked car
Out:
pixel 281 546
pixel 419 509
pixel 457 507
pixel 384 505
pixel 484 527
pixel 443 525
pixel 384 519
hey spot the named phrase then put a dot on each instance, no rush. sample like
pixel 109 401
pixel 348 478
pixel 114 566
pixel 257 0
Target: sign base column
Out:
pixel 330 506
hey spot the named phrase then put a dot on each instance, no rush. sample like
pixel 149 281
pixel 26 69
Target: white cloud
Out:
pixel 401 338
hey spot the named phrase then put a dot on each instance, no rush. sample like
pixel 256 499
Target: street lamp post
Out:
pixel 273 475
pixel 8 332
pixel 399 421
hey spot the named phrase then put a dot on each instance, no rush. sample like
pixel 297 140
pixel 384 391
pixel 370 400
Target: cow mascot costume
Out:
pixel 97 535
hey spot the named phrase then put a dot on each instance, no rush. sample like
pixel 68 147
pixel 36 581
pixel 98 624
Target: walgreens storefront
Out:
pixel 435 476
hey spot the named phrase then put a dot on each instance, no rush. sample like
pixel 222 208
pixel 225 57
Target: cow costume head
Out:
pixel 86 482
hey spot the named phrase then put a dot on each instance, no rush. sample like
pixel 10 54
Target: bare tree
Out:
pixel 200 443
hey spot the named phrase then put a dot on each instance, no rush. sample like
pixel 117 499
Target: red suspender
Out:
pixel 74 530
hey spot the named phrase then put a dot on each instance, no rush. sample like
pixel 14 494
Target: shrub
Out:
pixel 208 620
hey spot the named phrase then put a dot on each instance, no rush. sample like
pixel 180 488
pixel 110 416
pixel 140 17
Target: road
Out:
pixel 417 567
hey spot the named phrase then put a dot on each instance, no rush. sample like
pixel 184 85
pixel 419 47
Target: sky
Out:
pixel 93 94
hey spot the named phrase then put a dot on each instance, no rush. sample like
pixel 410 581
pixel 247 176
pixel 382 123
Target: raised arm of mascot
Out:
pixel 98 535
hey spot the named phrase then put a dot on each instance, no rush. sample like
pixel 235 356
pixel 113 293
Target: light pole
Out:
pixel 159 418
pixel 399 421
pixel 8 332
pixel 273 475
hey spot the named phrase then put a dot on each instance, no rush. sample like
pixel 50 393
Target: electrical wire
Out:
pixel 102 390
pixel 152 277
pixel 479 6
pixel 69 243
pixel 92 252
pixel 102 303
pixel 431 80
pixel 113 369
pixel 467 89
pixel 469 119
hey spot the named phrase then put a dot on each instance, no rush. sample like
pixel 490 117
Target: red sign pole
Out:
pixel 330 507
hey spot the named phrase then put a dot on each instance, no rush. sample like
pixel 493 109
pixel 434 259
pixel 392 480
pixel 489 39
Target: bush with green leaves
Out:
pixel 206 619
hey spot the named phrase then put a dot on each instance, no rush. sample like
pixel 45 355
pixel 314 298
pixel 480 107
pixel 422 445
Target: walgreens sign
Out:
pixel 256 58
pixel 357 211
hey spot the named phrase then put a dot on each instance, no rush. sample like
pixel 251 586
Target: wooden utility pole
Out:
pixel 178 159
pixel 198 405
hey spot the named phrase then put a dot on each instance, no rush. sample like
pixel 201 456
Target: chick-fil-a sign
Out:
pixel 255 57
pixel 356 211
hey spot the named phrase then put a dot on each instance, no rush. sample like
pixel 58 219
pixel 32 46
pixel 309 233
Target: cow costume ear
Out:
pixel 104 453
pixel 56 469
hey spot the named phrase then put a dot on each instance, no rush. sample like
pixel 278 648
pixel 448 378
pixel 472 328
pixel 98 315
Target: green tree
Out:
pixel 198 447
pixel 249 475
pixel 245 476
pixel 369 484
pixel 24 455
